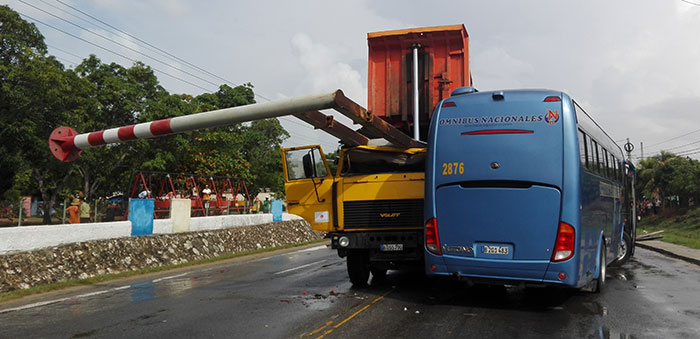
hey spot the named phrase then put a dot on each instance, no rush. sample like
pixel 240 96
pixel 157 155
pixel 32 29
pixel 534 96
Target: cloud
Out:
pixel 324 71
pixel 495 68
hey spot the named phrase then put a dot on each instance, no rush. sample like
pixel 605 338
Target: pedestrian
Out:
pixel 266 205
pixel 74 212
pixel 84 211
pixel 206 193
pixel 657 205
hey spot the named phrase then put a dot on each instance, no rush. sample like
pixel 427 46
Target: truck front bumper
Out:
pixel 381 245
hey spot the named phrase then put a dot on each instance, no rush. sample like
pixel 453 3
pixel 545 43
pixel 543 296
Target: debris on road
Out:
pixel 650 236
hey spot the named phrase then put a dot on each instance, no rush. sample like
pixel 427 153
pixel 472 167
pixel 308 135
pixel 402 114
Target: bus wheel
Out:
pixel 600 282
pixel 358 267
pixel 625 250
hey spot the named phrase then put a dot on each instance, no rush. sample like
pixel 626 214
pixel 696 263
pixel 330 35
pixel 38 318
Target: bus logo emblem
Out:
pixel 552 117
pixel 389 215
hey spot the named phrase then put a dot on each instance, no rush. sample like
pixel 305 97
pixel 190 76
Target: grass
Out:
pixel 681 227
pixel 16 294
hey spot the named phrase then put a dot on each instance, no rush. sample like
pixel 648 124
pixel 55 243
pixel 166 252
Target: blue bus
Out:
pixel 524 187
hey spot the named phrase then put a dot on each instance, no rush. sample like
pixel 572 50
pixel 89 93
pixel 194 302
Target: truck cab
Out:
pixel 371 208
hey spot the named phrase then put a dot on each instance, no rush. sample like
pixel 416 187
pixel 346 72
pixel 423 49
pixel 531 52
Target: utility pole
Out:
pixel 641 148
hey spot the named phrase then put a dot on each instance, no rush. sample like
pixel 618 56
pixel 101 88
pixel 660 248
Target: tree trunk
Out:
pixel 48 195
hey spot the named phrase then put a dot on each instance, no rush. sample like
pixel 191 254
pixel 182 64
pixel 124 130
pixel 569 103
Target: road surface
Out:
pixel 305 293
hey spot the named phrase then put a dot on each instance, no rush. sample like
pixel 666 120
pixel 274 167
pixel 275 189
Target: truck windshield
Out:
pixel 364 161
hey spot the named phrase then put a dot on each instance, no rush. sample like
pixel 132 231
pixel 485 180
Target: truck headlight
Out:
pixel 344 241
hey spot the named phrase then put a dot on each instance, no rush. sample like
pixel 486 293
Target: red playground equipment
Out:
pixel 222 198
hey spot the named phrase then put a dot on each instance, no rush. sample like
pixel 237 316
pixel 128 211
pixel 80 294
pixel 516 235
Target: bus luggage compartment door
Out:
pixel 498 232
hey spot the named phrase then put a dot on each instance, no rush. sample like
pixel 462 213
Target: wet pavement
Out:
pixel 690 255
pixel 307 294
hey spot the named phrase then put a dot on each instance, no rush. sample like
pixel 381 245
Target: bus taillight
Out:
pixel 564 246
pixel 432 240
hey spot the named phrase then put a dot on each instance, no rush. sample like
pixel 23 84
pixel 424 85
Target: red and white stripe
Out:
pixel 121 134
pixel 222 117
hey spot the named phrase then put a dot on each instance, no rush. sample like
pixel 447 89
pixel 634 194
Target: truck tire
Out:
pixel 600 282
pixel 358 267
pixel 625 250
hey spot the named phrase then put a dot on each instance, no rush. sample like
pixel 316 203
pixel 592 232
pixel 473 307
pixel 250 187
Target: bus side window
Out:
pixel 591 154
pixel 596 161
pixel 606 164
pixel 582 148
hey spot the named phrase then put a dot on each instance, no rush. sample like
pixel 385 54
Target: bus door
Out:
pixel 308 184
pixel 498 169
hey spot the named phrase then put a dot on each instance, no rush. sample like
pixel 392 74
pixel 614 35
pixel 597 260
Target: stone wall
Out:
pixel 91 258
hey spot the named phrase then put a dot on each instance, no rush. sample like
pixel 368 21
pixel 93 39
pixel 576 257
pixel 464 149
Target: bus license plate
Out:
pixel 390 247
pixel 488 249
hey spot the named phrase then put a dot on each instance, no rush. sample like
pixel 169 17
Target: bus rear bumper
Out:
pixel 504 272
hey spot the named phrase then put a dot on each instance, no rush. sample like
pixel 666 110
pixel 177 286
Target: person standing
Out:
pixel 266 206
pixel 84 211
pixel 74 212
pixel 206 196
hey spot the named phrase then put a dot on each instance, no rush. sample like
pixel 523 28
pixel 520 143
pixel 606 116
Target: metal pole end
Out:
pixel 62 146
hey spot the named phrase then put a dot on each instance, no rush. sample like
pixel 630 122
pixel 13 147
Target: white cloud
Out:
pixel 324 71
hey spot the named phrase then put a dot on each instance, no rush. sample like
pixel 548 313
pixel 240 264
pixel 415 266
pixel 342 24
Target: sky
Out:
pixel 631 64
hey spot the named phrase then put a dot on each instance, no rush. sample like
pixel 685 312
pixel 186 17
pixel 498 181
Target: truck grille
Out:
pixel 383 213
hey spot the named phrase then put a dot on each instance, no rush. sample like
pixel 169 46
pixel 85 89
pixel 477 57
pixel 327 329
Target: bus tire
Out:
pixel 625 250
pixel 358 267
pixel 602 268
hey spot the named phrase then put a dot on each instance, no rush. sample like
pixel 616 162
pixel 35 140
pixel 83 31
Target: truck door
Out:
pixel 309 186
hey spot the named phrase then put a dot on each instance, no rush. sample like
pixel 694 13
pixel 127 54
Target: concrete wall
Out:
pixel 27 238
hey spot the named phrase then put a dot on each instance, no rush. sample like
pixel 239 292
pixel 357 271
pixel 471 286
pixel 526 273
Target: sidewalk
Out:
pixel 690 255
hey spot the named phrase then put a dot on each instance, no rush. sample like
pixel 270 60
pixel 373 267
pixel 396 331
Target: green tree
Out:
pixel 669 175
pixel 36 96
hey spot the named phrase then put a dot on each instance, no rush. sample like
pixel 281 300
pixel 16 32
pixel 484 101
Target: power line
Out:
pixel 66 60
pixel 118 43
pixel 64 51
pixel 674 138
pixel 150 47
pixel 672 148
pixel 691 3
pixel 159 49
pixel 111 51
pixel 680 154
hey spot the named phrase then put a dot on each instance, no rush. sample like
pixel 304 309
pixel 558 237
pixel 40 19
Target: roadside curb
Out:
pixel 668 253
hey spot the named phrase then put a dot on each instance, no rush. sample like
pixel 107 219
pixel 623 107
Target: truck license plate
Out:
pixel 390 247
pixel 489 249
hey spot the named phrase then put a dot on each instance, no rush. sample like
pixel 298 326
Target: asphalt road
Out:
pixel 306 293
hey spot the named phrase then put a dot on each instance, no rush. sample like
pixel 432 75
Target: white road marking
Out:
pixel 85 295
pixel 42 303
pixel 300 267
pixel 170 277
pixel 311 249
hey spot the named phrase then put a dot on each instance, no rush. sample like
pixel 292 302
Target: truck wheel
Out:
pixel 358 267
pixel 600 282
pixel 625 250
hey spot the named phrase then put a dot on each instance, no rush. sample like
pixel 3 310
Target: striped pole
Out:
pixel 67 145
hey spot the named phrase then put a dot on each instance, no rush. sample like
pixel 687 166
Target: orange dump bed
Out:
pixel 443 65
